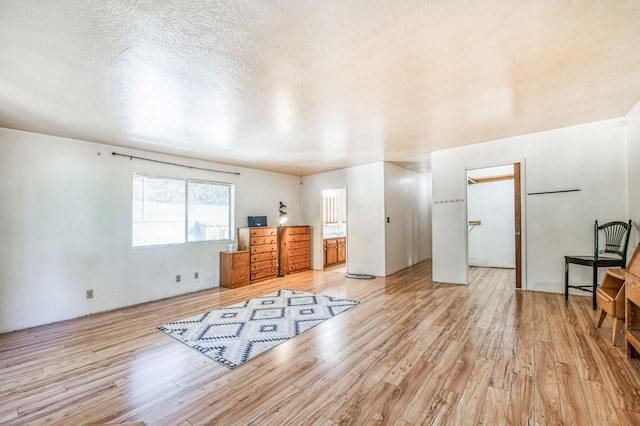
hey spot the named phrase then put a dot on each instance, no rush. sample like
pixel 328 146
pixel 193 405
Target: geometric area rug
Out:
pixel 236 333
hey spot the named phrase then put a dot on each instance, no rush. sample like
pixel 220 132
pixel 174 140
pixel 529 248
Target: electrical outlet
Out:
pixel 89 294
pixel 178 278
pixel 195 275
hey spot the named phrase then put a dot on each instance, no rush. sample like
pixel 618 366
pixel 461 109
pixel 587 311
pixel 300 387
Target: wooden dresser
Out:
pixel 335 251
pixel 262 244
pixel 295 249
pixel 234 268
pixel 632 317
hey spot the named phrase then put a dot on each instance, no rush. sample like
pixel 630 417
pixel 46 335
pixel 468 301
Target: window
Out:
pixel 175 211
pixel 330 205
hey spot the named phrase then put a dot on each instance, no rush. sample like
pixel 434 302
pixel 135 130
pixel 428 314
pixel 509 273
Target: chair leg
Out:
pixel 617 328
pixel 603 314
pixel 595 285
pixel 566 280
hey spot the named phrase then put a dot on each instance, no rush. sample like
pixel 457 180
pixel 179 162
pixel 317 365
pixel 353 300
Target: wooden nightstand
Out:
pixel 234 268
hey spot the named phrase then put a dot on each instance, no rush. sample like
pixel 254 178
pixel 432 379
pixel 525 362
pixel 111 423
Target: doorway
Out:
pixel 334 229
pixel 494 218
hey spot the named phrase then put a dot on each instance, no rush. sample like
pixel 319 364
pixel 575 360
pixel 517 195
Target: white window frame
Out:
pixel 187 181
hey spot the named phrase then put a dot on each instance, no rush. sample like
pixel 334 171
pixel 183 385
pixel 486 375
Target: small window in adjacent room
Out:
pixel 330 207
pixel 175 211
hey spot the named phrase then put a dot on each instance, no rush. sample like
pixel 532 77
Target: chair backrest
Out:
pixel 616 238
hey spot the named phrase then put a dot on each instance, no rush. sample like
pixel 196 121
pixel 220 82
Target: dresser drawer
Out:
pixel 299 251
pixel 330 242
pixel 296 262
pixel 255 266
pixel 240 259
pixel 261 257
pixel 240 275
pixel 298 244
pixel 298 230
pixel 297 267
pixel 267 248
pixel 299 237
pixel 256 241
pixel 299 262
pixel 263 273
pixel 299 257
pixel 263 232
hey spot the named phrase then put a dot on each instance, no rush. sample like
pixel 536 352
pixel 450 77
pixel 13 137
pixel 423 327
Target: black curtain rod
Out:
pixel 553 192
pixel 131 157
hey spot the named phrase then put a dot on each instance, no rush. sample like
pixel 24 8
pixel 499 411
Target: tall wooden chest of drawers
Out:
pixel 295 249
pixel 262 244
pixel 234 268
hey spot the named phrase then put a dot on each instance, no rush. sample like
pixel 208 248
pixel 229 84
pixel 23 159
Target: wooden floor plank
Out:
pixel 526 337
pixel 548 411
pixel 471 403
pixel 496 407
pixel 412 352
pixel 429 383
pixel 457 380
pixel 306 399
pixel 442 409
pixel 560 340
pixel 572 401
pixel 596 395
pixel 502 372
pixel 521 400
pixel 627 417
pixel 585 364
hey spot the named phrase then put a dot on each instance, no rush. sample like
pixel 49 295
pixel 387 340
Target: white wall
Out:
pixel 406 199
pixel 365 215
pixel 633 166
pixel 590 157
pixel 374 191
pixel 492 243
pixel 65 227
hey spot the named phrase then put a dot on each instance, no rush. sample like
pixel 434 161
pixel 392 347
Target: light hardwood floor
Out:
pixel 412 352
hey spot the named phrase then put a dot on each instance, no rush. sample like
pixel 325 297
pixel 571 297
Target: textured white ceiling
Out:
pixel 302 87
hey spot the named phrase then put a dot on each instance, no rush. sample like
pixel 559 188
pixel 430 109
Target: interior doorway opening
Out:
pixel 494 222
pixel 334 229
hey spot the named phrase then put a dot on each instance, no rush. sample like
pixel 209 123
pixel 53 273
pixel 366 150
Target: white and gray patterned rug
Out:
pixel 236 333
